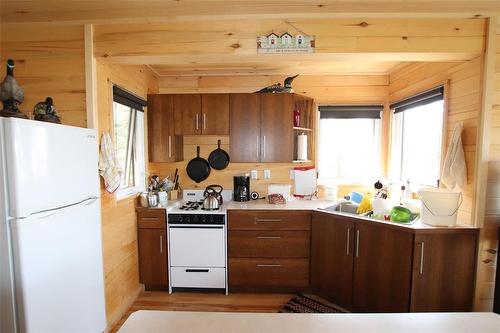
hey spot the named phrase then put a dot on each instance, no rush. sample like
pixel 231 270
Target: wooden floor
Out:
pixel 184 301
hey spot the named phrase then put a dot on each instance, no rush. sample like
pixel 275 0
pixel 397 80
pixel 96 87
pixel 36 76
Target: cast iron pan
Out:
pixel 219 158
pixel 198 168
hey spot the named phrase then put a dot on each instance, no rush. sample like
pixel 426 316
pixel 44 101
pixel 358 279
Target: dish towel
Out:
pixel 109 167
pixel 454 171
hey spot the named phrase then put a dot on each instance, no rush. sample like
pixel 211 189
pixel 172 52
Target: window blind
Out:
pixel 124 97
pixel 426 97
pixel 350 111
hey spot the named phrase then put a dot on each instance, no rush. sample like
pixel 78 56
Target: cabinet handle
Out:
pixel 150 219
pixel 491 251
pixel 348 241
pixel 267 220
pixel 422 251
pixel 197 122
pixel 357 243
pixel 258 147
pixel 161 244
pixel 204 121
pixel 169 146
pixel 264 146
pixel 268 237
pixel 268 265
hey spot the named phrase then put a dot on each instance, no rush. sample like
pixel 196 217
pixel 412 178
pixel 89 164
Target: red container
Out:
pixel 296 118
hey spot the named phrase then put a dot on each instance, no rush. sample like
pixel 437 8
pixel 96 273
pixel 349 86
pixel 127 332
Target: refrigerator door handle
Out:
pixel 86 202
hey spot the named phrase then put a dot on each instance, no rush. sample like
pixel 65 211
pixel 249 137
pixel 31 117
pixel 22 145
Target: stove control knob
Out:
pixel 203 218
pixel 195 218
pixel 211 219
pixel 188 219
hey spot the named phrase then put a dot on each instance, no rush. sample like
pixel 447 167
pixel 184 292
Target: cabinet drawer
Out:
pixel 268 274
pixel 197 277
pixel 269 220
pixel 268 244
pixel 151 218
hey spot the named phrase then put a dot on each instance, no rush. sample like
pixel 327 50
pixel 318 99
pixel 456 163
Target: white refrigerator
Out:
pixel 51 275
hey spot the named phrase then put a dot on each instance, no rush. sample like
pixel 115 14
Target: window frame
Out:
pixel 354 108
pixel 399 137
pixel 135 142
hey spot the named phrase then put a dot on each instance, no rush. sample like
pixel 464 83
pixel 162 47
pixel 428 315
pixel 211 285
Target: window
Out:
pixel 128 120
pixel 349 144
pixel 417 132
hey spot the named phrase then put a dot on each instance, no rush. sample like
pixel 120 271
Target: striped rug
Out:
pixel 306 303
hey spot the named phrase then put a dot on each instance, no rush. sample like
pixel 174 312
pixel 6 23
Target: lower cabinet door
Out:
pixel 262 274
pixel 443 272
pixel 382 268
pixel 152 256
pixel 332 243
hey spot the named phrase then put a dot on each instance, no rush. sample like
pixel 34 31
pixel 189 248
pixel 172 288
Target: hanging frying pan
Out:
pixel 198 168
pixel 219 158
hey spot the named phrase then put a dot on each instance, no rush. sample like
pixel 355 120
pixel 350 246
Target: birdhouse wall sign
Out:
pixel 285 43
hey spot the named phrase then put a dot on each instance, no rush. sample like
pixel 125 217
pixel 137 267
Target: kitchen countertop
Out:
pixel 314 205
pixel 210 322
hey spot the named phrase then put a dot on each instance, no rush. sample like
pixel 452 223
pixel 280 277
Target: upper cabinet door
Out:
pixel 244 127
pixel 382 268
pixel 277 128
pixel 187 108
pixel 163 144
pixel 215 114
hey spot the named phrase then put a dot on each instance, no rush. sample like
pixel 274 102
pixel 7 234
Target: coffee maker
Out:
pixel 241 188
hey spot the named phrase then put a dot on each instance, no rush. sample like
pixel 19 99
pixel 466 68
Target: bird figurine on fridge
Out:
pixel 11 94
pixel 278 88
pixel 46 111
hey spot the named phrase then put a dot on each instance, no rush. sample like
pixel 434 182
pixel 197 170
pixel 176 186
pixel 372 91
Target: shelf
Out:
pixel 302 129
pixel 301 161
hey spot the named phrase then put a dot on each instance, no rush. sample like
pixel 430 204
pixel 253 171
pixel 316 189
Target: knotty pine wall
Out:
pixel 119 225
pixel 489 233
pixel 50 61
pixel 323 89
pixel 464 104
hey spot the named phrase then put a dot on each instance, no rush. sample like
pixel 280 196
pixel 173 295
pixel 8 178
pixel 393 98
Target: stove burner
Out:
pixel 193 205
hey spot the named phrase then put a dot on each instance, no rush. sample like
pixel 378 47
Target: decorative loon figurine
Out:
pixel 46 111
pixel 11 94
pixel 278 88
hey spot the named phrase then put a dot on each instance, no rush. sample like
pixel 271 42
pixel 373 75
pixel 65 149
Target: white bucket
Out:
pixel 439 206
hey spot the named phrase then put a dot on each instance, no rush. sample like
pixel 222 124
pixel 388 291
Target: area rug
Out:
pixel 306 303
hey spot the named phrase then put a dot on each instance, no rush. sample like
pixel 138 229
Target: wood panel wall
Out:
pixel 50 61
pixel 323 89
pixel 488 260
pixel 464 105
pixel 119 225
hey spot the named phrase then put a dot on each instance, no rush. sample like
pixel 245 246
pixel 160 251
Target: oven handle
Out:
pixel 189 270
pixel 194 227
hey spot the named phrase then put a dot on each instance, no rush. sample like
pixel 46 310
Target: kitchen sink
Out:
pixel 343 207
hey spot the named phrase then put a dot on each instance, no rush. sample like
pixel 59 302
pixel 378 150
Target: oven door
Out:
pixel 197 246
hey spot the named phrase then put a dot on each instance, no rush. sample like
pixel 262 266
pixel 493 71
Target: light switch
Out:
pixel 267 174
pixel 254 174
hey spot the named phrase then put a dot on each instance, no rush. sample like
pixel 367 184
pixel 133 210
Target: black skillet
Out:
pixel 198 168
pixel 219 158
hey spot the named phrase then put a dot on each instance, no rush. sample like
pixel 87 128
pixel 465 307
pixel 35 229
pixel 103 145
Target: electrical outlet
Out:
pixel 267 174
pixel 254 174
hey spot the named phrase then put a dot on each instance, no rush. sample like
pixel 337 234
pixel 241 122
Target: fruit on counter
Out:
pixel 365 205
pixel 400 214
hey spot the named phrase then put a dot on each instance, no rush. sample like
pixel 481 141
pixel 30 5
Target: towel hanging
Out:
pixel 454 172
pixel 109 167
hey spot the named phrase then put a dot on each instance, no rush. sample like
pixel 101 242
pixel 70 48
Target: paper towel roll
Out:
pixel 302 147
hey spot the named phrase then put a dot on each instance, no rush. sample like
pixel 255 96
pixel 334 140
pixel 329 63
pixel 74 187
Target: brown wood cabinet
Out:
pixel 366 266
pixel 261 127
pixel 332 244
pixel 443 271
pixel 163 144
pixel 152 244
pixel 382 268
pixel 268 250
pixel 244 127
pixel 206 114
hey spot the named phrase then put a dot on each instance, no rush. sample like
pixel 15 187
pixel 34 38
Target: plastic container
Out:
pixel 331 193
pixel 439 206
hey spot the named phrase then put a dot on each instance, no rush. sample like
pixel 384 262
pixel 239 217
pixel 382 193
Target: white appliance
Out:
pixel 50 230
pixel 197 244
